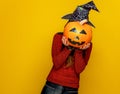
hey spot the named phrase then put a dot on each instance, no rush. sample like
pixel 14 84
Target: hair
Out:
pixel 70 61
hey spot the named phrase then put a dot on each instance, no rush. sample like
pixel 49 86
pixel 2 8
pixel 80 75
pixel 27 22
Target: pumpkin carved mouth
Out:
pixel 74 42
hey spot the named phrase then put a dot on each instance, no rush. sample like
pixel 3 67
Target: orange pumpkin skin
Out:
pixel 76 34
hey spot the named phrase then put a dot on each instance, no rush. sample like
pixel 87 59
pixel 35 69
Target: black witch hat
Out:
pixel 81 13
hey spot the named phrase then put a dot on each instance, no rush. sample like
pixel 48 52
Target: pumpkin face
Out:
pixel 76 34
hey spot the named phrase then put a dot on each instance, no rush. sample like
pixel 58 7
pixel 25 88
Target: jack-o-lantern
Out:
pixel 76 34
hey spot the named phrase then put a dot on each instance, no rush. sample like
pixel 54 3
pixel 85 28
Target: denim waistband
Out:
pixel 57 85
pixel 52 84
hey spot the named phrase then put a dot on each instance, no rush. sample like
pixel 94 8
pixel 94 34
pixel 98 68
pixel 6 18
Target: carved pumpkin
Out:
pixel 76 34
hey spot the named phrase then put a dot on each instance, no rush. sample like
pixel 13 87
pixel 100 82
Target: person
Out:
pixel 68 63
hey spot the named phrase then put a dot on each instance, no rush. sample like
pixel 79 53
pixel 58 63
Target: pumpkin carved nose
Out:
pixel 76 37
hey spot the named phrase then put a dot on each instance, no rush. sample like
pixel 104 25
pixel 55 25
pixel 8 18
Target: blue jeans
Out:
pixel 51 88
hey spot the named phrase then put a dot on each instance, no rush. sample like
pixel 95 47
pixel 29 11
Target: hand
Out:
pixel 84 47
pixel 64 41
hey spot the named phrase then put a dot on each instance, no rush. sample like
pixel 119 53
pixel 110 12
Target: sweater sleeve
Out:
pixel 59 53
pixel 87 54
pixel 81 60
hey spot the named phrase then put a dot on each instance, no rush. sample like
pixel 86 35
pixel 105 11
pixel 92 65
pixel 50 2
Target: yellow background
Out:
pixel 26 31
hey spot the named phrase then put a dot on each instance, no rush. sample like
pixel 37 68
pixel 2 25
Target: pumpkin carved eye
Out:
pixel 83 32
pixel 73 30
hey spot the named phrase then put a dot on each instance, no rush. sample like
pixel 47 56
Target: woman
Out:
pixel 68 63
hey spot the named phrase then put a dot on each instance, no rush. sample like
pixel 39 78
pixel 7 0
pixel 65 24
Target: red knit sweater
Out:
pixel 69 76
